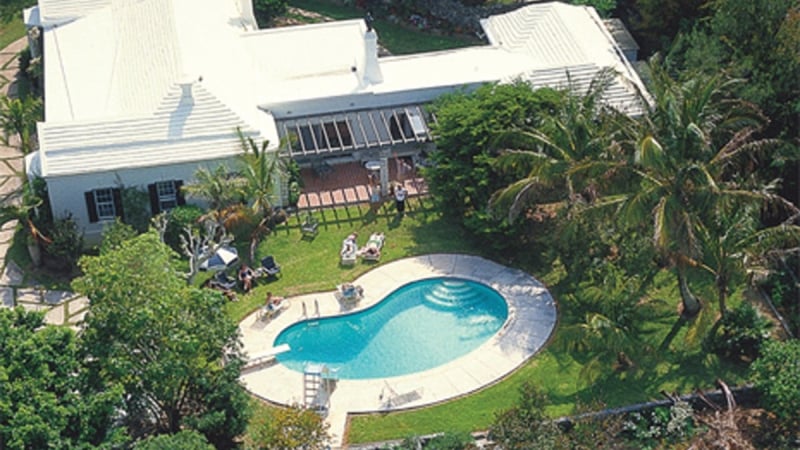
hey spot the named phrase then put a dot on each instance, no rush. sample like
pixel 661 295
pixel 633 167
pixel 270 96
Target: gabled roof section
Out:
pixel 190 124
pixel 568 46
pixel 619 93
pixel 54 12
pixel 539 30
pixel 116 61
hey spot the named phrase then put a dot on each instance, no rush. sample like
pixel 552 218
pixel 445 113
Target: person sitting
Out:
pixel 246 275
pixel 351 291
pixel 349 247
pixel 273 302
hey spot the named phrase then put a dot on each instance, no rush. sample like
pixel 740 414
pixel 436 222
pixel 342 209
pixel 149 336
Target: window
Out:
pixel 103 204
pixel 165 195
pixel 104 200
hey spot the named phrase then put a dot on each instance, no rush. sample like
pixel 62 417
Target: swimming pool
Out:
pixel 419 326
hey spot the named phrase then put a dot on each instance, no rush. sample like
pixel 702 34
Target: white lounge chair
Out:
pixel 372 251
pixel 349 252
pixel 268 312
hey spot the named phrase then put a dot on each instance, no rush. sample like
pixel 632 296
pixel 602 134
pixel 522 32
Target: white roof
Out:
pixel 540 43
pixel 119 66
pixel 560 39
pixel 55 12
pixel 112 74
pixel 189 125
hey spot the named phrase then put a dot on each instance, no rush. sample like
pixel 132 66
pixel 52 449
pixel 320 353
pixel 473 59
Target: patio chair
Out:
pixel 310 226
pixel 268 312
pixel 350 293
pixel 372 251
pixel 269 268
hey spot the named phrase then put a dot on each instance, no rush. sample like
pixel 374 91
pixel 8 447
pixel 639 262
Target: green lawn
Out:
pixel 11 31
pixel 313 265
pixel 398 39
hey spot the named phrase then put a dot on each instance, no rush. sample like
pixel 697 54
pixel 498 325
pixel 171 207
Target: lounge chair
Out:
pixel 269 268
pixel 268 312
pixel 349 251
pixel 372 251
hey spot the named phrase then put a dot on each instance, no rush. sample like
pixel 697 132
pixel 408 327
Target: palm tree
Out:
pixel 262 170
pixel 222 190
pixel 734 246
pixel 19 116
pixel 613 310
pixel 688 159
pixel 566 151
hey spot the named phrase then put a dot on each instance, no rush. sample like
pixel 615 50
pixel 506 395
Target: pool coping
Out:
pixel 531 320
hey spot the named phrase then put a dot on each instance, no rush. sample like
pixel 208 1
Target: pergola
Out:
pixel 345 132
pixel 379 131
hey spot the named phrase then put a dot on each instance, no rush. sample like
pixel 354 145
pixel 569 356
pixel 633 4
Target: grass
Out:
pixel 398 39
pixel 11 31
pixel 313 265
pixel 561 375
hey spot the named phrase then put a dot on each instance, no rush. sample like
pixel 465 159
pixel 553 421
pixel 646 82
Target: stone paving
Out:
pixel 61 307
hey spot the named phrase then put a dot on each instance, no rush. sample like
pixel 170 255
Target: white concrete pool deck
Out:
pixel 532 318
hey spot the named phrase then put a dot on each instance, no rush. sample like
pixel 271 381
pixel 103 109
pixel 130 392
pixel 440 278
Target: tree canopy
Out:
pixel 47 399
pixel 162 342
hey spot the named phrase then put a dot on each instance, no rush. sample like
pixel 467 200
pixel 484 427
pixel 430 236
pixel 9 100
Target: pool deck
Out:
pixel 531 320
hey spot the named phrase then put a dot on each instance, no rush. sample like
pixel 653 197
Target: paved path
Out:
pixel 532 318
pixel 63 308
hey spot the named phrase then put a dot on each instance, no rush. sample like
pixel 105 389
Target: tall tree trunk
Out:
pixel 691 304
pixel 722 288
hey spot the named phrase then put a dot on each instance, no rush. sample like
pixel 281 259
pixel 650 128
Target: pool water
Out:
pixel 419 326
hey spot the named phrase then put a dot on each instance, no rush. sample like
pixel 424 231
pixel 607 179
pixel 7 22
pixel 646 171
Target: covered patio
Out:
pixel 358 156
pixel 351 182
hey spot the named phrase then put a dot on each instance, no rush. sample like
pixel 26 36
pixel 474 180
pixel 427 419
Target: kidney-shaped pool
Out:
pixel 419 326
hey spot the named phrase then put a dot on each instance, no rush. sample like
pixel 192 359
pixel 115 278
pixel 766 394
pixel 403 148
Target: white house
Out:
pixel 140 93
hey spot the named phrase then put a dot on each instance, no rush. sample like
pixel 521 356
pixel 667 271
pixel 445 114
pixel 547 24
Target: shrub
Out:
pixel 66 244
pixel 661 425
pixel 115 234
pixel 180 218
pixel 740 334
pixel 776 375
pixel 267 10
pixel 136 208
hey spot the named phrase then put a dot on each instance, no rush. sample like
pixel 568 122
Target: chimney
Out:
pixel 186 83
pixel 372 70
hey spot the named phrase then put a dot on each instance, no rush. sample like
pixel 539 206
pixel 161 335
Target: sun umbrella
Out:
pixel 223 258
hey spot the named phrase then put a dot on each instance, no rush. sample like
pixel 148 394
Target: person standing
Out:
pixel 400 195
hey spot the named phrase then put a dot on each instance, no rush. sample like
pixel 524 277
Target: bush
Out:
pixel 115 234
pixel 180 218
pixel 267 10
pixel 136 208
pixel 446 441
pixel 740 334
pixel 66 244
pixel 776 375
pixel 661 425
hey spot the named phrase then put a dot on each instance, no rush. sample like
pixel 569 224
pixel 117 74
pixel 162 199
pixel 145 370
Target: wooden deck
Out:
pixel 349 183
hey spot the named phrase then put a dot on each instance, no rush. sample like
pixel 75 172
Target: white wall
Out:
pixel 67 193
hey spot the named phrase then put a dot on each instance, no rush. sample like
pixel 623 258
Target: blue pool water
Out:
pixel 417 327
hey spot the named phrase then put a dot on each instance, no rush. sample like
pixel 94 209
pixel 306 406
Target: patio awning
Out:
pixel 354 130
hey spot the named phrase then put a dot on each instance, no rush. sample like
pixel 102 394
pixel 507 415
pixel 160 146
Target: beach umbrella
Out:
pixel 223 258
